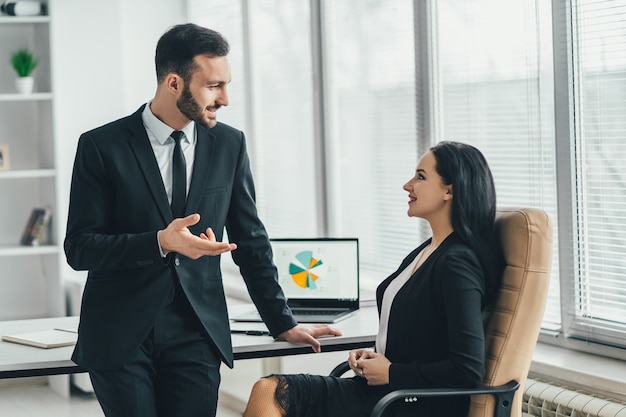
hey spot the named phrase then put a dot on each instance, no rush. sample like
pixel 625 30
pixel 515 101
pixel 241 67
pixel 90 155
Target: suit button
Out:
pixel 177 262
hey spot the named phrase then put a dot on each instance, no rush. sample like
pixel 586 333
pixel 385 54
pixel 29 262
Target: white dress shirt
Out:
pixel 163 147
pixel 388 296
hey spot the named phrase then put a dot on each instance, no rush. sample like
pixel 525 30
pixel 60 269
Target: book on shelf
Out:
pixel 44 339
pixel 34 230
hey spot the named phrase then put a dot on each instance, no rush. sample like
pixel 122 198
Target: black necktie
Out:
pixel 179 177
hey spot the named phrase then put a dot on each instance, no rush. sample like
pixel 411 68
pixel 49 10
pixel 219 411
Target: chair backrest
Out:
pixel 513 327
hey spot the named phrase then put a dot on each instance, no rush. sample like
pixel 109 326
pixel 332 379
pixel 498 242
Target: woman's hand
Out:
pixel 372 366
pixel 353 359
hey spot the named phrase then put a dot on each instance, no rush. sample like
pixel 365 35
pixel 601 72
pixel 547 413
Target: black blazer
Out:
pixel 435 336
pixel 118 203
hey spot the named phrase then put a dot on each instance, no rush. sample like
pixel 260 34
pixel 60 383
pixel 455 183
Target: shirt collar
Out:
pixel 161 131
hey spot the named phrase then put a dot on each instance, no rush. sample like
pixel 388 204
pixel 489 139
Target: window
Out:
pixel 229 22
pixel 370 110
pixel 339 99
pixel 369 105
pixel 599 73
pixel 494 72
pixel 271 100
pixel 282 114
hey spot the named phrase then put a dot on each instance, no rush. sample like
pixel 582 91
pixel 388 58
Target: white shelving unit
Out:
pixel 30 281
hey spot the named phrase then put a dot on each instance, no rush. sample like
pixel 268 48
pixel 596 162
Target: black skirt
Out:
pixel 303 395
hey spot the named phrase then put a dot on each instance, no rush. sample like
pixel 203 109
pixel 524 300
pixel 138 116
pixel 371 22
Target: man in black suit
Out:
pixel 154 325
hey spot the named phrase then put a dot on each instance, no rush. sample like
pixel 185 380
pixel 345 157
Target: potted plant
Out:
pixel 24 62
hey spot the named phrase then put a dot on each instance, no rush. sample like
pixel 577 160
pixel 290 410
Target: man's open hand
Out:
pixel 176 237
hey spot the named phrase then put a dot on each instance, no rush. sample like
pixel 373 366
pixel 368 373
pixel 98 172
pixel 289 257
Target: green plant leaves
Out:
pixel 23 62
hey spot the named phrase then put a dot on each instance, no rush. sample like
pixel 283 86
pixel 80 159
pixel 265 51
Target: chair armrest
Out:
pixel 502 393
pixel 340 369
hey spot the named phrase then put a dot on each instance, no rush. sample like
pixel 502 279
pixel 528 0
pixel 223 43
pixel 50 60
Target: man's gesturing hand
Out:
pixel 176 237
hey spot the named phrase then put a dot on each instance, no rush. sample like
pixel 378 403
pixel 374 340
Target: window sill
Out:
pixel 592 374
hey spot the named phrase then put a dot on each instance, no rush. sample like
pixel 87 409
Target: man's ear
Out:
pixel 173 82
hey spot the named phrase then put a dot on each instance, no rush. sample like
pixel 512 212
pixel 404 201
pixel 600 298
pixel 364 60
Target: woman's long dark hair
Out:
pixel 473 203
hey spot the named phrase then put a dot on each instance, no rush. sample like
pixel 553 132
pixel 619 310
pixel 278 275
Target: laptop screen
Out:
pixel 324 271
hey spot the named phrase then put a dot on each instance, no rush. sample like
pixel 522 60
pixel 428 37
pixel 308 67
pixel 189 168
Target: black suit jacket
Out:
pixel 435 336
pixel 118 203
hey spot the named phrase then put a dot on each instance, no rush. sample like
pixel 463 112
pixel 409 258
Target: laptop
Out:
pixel 319 276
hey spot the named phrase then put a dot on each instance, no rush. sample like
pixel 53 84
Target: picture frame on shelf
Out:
pixel 34 233
pixel 4 158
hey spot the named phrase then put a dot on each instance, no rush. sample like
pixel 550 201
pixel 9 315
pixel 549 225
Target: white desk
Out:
pixel 17 360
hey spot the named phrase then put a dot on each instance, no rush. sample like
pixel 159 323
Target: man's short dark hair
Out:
pixel 178 46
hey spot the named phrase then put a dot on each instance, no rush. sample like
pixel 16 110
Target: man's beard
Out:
pixel 190 108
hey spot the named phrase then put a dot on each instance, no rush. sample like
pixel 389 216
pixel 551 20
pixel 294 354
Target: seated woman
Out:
pixel 430 328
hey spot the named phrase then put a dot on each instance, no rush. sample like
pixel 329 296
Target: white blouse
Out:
pixel 388 296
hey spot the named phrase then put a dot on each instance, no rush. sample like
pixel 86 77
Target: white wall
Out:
pixel 103 68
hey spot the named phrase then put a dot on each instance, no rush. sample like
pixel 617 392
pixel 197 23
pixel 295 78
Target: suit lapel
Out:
pixel 140 144
pixel 201 166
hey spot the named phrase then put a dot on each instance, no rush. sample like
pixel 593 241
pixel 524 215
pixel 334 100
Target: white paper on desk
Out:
pixel 44 339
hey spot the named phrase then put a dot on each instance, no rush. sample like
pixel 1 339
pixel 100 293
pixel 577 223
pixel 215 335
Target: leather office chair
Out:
pixel 512 329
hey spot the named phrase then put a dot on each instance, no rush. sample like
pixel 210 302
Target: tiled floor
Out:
pixel 38 399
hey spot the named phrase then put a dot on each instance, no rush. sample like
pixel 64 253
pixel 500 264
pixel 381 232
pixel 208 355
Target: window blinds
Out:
pixel 371 127
pixel 282 106
pixel 493 87
pixel 599 64
pixel 271 99
pixel 495 92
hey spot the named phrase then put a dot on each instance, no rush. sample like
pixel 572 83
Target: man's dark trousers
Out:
pixel 175 373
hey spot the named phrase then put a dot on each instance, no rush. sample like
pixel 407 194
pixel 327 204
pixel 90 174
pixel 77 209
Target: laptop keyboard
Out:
pixel 316 312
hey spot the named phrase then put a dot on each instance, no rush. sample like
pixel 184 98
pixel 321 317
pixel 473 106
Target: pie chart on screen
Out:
pixel 302 269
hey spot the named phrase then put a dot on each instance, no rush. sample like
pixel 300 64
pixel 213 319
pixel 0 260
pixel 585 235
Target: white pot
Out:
pixel 24 85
